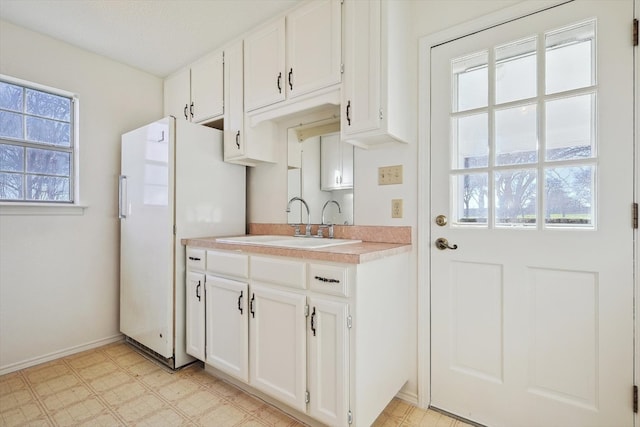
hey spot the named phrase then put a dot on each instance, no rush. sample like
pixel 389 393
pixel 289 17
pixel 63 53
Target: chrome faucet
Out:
pixel 301 200
pixel 330 225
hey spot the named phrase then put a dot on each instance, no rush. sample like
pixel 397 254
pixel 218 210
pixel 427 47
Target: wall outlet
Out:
pixel 390 175
pixel 396 208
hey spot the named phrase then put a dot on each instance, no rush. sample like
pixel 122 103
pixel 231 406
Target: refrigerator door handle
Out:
pixel 122 191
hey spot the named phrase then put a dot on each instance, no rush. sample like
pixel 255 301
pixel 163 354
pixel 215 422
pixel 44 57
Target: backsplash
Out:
pixel 366 233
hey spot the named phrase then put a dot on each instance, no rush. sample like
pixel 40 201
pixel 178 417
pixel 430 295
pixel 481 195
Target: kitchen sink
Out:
pixel 286 242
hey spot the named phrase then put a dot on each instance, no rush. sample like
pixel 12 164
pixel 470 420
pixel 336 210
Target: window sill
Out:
pixel 41 209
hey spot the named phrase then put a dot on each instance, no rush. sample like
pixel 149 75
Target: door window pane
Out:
pixel 516 135
pixel 570 128
pixel 569 196
pixel 570 58
pixel 470 81
pixel 472 198
pixel 515 202
pixel 516 76
pixel 471 141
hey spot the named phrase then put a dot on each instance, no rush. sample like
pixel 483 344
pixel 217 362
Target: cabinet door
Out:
pixel 361 89
pixel 234 137
pixel 195 297
pixel 314 40
pixel 336 163
pixel 227 331
pixel 328 338
pixel 264 64
pixel 207 93
pixel 177 95
pixel 277 344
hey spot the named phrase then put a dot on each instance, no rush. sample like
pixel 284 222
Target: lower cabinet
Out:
pixel 285 327
pixel 227 327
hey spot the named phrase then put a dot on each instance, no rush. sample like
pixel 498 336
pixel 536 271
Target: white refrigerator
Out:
pixel 173 185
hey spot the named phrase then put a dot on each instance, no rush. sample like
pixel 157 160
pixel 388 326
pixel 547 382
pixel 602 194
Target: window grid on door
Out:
pixel 523 132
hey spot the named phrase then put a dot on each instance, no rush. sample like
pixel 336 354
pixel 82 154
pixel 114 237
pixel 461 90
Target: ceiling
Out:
pixel 156 36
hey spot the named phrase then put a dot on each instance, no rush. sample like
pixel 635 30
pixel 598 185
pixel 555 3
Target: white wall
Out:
pixel 59 275
pixel 372 203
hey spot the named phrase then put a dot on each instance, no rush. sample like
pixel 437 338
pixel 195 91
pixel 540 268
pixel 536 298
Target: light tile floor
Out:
pixel 114 385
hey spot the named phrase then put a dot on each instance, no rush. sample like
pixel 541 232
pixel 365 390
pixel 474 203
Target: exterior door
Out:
pixel 531 187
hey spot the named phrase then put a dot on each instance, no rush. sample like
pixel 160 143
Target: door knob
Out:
pixel 442 244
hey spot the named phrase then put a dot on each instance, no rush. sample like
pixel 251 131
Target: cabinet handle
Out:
pixel 349 113
pixel 240 302
pixel 238 140
pixel 193 258
pixel 324 279
pixel 186 116
pixel 198 290
pixel 313 321
pixel 253 313
pixel 191 110
pixel 279 85
pixel 290 82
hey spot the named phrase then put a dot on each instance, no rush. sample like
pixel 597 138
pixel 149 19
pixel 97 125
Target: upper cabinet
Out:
pixel 375 90
pixel 243 144
pixel 336 163
pixel 196 93
pixel 294 56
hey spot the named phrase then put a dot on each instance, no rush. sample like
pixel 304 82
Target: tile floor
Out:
pixel 116 386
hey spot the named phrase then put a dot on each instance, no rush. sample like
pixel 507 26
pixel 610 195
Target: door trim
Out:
pixel 424 172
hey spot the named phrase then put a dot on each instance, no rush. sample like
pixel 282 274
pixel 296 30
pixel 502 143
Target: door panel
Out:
pixel 531 161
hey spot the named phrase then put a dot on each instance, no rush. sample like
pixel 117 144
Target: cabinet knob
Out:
pixel 198 290
pixel 186 116
pixel 278 82
pixel 238 140
pixel 191 110
pixel 349 113
pixel 240 302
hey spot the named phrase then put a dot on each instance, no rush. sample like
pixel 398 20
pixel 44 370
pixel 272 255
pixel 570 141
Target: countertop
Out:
pixel 353 253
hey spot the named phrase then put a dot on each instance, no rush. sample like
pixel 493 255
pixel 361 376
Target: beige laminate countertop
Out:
pixel 353 253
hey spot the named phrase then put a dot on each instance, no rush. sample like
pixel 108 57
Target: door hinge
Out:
pixel 341 68
pixel 634 215
pixel 349 322
pixel 174 229
pixel 349 417
pixel 306 310
pixel 635 399
pixel 635 32
pixel 381 114
pixel 306 397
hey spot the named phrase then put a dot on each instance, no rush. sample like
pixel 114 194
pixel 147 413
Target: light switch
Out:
pixel 390 175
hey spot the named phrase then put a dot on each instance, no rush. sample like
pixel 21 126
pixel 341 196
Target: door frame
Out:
pixel 425 44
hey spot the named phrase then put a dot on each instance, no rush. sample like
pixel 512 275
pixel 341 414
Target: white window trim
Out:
pixel 45 208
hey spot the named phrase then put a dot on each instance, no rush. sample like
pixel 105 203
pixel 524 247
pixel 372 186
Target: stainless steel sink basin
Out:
pixel 286 242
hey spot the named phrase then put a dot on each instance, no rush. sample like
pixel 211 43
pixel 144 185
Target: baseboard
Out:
pixel 411 398
pixel 58 354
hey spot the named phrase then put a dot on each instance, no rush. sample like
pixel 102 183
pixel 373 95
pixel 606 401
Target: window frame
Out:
pixel 45 207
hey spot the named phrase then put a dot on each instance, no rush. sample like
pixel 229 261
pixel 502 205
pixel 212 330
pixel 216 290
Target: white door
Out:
pixel 277 355
pixel 228 326
pixel 531 162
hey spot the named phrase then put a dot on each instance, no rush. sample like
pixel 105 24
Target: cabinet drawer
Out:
pixel 228 264
pixel 279 272
pixel 195 259
pixel 329 279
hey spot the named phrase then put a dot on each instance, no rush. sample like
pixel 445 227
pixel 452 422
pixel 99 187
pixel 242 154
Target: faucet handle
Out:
pixel 329 227
pixel 296 229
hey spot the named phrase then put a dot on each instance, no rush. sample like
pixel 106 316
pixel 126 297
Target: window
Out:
pixel 37 143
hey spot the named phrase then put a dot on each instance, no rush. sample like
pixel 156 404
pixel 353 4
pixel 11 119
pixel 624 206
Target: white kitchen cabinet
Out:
pixel 295 55
pixel 243 144
pixel 195 312
pixel 328 361
pixel 227 326
pixel 376 89
pixel 325 340
pixel 336 163
pixel 277 344
pixel 196 93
